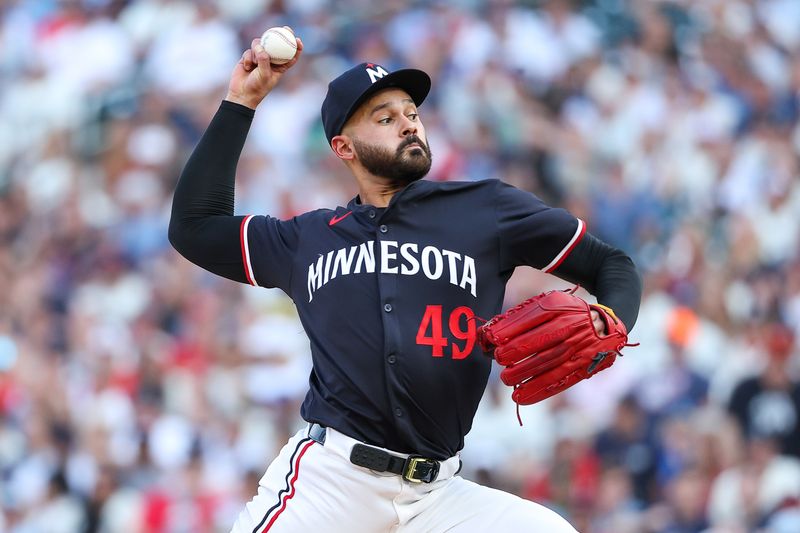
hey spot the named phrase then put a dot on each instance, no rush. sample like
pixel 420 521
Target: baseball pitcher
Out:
pixel 389 289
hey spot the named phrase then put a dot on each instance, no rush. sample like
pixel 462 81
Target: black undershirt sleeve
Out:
pixel 608 274
pixel 202 227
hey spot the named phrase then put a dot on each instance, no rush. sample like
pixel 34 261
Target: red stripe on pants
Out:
pixel 291 486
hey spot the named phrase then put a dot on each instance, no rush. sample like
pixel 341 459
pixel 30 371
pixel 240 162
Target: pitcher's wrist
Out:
pixel 241 100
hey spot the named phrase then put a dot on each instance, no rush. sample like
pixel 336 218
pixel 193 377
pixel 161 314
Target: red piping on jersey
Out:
pixel 579 233
pixel 291 485
pixel 248 269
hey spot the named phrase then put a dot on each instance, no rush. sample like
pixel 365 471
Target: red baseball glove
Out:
pixel 548 344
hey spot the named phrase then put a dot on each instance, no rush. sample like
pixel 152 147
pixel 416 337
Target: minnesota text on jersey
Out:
pixel 430 261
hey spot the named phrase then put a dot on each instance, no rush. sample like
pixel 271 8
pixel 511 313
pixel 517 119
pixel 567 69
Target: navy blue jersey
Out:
pixel 389 299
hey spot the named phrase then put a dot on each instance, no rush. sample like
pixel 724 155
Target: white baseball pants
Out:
pixel 312 487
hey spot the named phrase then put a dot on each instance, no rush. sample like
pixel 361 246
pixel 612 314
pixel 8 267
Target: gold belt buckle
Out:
pixel 420 470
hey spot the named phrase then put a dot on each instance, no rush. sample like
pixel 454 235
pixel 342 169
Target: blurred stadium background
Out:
pixel 140 394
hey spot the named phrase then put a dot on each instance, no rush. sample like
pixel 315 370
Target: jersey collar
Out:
pixel 412 190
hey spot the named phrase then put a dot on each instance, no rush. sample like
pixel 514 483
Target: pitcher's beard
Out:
pixel 403 166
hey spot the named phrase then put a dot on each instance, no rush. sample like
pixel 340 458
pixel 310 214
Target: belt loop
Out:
pixel 317 433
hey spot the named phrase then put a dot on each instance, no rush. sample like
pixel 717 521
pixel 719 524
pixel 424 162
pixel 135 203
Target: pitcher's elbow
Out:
pixel 176 235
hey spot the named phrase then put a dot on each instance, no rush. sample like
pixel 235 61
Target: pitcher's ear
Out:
pixel 342 146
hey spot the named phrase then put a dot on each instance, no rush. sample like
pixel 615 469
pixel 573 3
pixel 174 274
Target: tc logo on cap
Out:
pixel 377 73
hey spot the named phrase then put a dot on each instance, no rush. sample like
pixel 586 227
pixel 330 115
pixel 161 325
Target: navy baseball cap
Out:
pixel 352 88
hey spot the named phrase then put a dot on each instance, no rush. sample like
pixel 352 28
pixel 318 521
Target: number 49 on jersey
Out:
pixel 461 325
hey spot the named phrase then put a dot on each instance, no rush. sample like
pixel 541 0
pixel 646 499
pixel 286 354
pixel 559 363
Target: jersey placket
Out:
pixel 388 290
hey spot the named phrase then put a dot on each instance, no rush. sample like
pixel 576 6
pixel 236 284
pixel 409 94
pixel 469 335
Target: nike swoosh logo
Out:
pixel 336 220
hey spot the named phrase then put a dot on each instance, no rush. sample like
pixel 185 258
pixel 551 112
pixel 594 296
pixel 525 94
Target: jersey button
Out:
pixel 392 359
pixel 387 308
pixel 384 229
pixel 372 214
pixel 398 412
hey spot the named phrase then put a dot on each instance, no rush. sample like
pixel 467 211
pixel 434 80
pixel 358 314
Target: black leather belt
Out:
pixel 414 469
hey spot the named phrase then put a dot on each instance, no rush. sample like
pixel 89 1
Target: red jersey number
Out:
pixel 461 324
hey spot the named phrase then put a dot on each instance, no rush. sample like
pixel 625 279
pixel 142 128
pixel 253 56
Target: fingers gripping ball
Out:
pixel 280 44
pixel 548 343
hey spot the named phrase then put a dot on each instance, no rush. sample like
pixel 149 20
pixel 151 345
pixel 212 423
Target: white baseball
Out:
pixel 280 44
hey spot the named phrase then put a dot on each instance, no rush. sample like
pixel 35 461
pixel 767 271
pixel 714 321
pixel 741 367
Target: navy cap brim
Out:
pixel 415 82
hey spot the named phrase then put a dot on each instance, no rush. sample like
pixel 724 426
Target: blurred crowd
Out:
pixel 140 394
